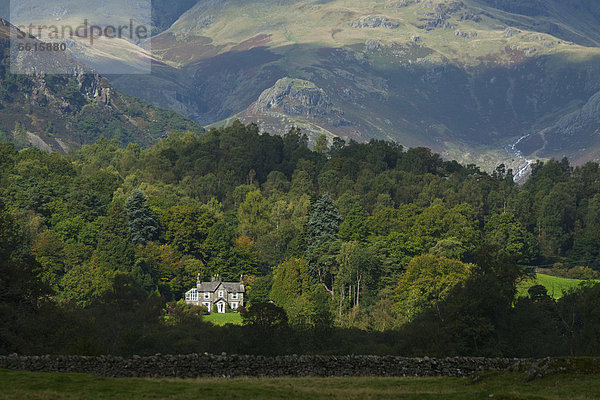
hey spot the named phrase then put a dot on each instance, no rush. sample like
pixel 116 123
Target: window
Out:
pixel 207 305
pixel 192 295
pixel 234 296
pixel 234 306
pixel 220 293
pixel 207 295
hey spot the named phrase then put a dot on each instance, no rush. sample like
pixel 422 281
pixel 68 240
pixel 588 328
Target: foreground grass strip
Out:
pixel 507 386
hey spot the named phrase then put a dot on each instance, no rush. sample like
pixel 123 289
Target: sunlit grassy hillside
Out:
pixel 458 31
pixel 556 286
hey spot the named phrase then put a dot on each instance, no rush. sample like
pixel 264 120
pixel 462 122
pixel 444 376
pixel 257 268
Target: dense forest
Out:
pixel 388 250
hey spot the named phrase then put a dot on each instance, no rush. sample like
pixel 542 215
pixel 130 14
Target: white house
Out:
pixel 217 295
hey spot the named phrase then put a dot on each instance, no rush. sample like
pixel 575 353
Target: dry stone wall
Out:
pixel 208 365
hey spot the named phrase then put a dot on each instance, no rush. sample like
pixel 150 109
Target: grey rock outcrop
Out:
pixel 466 35
pixel 510 32
pixel 372 21
pixel 295 97
pixel 372 44
pixel 402 3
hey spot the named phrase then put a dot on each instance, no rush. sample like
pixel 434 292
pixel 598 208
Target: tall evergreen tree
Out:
pixel 325 220
pixel 322 244
pixel 141 221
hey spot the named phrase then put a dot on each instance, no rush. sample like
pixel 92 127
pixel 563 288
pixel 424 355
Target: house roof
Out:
pixel 214 285
pixel 208 286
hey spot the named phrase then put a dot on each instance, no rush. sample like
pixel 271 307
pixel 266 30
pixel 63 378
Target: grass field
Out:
pixel 28 385
pixel 223 319
pixel 556 286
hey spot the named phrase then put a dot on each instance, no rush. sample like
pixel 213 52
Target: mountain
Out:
pixel 483 81
pixel 61 112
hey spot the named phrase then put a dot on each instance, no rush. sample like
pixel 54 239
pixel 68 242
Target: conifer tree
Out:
pixel 324 222
pixel 142 224
pixel 322 243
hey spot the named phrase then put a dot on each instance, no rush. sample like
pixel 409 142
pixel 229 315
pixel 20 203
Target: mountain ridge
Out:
pixel 461 77
pixel 484 81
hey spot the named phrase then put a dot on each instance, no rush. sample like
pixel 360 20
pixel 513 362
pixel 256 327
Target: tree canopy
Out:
pixel 366 236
